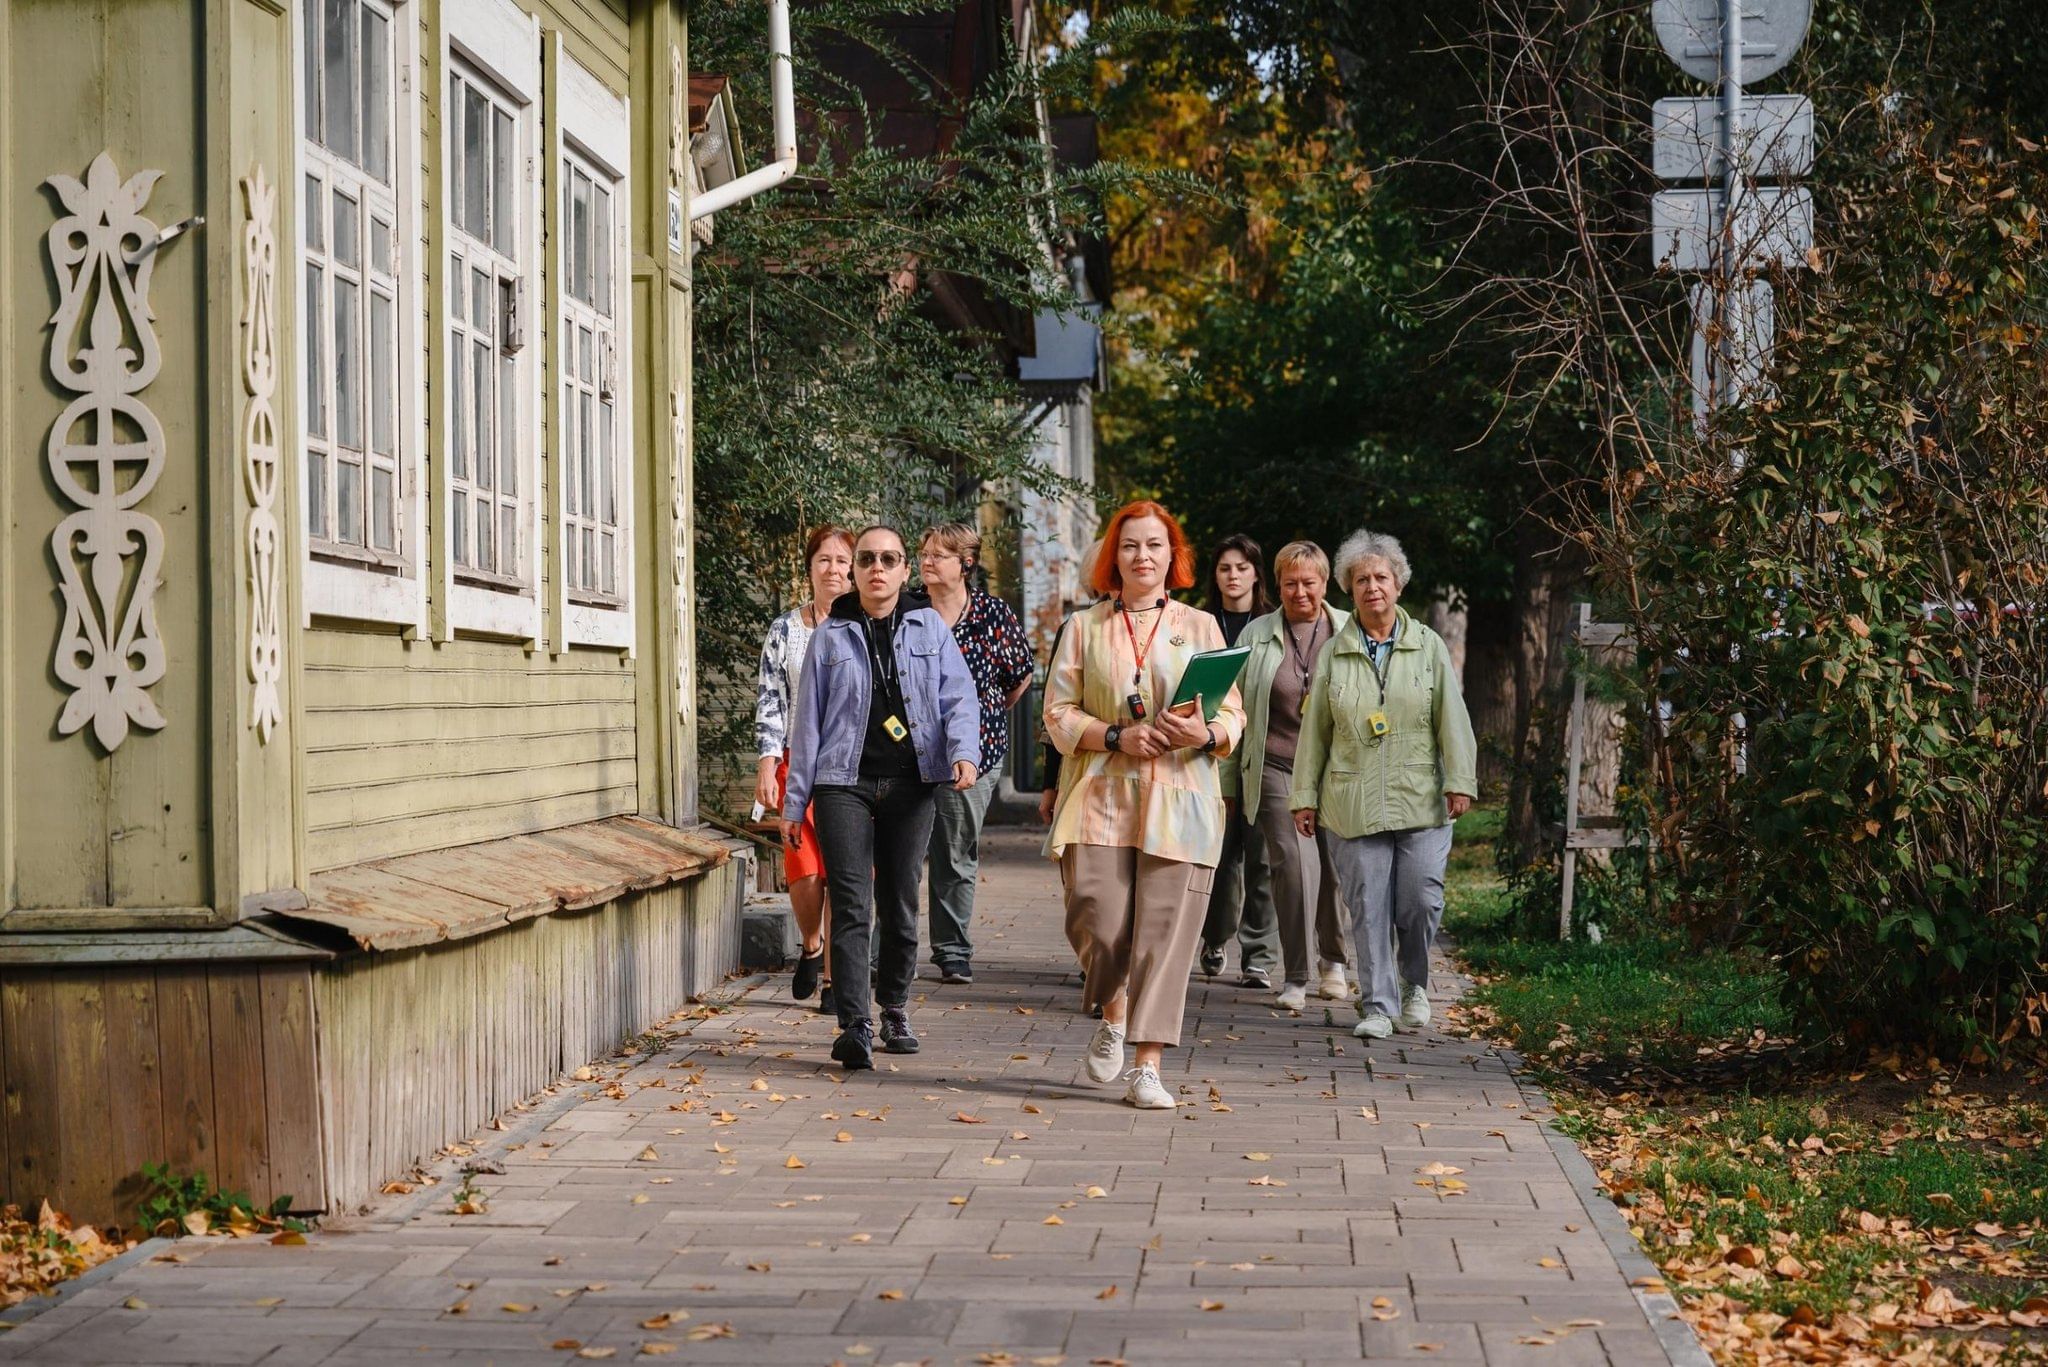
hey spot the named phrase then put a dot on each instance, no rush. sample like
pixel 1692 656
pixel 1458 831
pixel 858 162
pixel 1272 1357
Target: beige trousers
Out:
pixel 1134 920
pixel 1304 882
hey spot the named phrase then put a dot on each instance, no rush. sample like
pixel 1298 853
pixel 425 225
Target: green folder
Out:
pixel 1210 675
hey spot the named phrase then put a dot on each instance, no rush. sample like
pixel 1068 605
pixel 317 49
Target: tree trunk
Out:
pixel 1490 688
pixel 1547 576
pixel 1452 624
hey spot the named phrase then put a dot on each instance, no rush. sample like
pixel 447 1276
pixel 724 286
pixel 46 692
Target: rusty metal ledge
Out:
pixel 420 899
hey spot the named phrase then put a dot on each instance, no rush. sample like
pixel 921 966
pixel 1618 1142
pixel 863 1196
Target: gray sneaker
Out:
pixel 1257 977
pixel 1106 1053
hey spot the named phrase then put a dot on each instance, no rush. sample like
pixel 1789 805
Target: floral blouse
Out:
pixel 1170 807
pixel 782 665
pixel 999 657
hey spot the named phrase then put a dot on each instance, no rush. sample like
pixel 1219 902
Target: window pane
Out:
pixel 348 501
pixel 601 253
pixel 583 353
pixel 461 524
pixel 458 296
pixel 316 350
pixel 383 373
pixel 579 237
pixel 476 164
pixel 341 77
pixel 508 540
pixel 508 426
pixel 458 401
pixel 585 456
pixel 377 95
pixel 607 565
pixel 348 364
pixel 382 255
pixel 316 494
pixel 312 79
pixel 451 122
pixel 569 490
pixel 480 414
pixel 480 304
pixel 316 215
pixel 348 232
pixel 485 559
pixel 608 466
pixel 504 222
pixel 383 510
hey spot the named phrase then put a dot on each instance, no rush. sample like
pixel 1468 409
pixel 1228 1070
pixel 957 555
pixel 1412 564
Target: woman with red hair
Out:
pixel 1139 822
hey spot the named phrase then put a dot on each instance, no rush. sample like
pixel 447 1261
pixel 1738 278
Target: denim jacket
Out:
pixel 831 721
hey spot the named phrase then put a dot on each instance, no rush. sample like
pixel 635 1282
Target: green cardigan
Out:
pixel 1266 636
pixel 1361 784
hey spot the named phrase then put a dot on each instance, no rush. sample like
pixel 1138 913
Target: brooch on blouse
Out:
pixel 1177 640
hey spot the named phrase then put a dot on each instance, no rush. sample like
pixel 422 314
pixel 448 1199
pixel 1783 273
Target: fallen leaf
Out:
pixel 794 1162
pixel 705 1332
pixel 1260 1157
pixel 890 1295
pixel 860 1238
pixel 516 1308
pixel 655 1348
pixel 966 1119
pixel 135 1303
pixel 595 1353
pixel 1107 1293
pixel 1054 1220
pixel 1212 1305
pixel 1095 1193
pixel 666 1319
pixel 648 1155
pixel 763 1266
pixel 565 1345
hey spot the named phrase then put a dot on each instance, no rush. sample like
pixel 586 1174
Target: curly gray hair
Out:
pixel 1362 546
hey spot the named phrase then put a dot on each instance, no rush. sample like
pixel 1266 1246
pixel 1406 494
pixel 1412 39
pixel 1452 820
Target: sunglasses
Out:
pixel 888 560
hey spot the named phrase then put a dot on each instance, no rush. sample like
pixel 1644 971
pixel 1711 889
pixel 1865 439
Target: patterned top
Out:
pixel 999 657
pixel 1170 807
pixel 782 665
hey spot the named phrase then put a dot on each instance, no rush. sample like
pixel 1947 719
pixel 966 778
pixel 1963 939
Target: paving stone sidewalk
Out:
pixel 1315 1199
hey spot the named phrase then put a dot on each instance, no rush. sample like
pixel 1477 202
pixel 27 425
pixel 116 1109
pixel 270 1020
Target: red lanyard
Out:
pixel 1138 674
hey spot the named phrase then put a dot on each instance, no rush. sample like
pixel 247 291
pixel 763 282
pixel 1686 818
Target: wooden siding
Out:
pixel 208 1068
pixel 418 1049
pixel 412 746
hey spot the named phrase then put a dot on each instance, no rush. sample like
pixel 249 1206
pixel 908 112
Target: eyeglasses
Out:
pixel 933 556
pixel 888 560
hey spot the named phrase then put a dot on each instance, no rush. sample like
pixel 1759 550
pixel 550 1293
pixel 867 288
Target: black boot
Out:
pixel 809 968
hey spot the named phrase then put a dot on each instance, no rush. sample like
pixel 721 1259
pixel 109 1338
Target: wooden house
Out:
pixel 347 735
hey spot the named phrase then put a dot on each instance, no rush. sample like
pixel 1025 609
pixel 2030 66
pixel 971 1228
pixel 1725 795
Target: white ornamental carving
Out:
pixel 259 450
pixel 679 558
pixel 106 452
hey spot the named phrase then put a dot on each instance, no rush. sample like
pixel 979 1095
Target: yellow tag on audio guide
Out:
pixel 1378 723
pixel 893 728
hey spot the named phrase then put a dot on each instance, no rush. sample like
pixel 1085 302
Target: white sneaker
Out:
pixel 1333 985
pixel 1147 1093
pixel 1292 997
pixel 1377 1025
pixel 1106 1053
pixel 1415 1007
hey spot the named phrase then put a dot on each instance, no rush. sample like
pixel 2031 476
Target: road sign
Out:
pixel 1690 31
pixel 1774 137
pixel 1773 227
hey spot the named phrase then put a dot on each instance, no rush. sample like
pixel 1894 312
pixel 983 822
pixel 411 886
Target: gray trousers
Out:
pixel 1241 903
pixel 1394 885
pixel 1304 883
pixel 956 867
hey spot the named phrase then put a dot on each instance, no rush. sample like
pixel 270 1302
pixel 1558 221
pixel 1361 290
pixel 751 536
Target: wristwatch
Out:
pixel 1209 745
pixel 1112 735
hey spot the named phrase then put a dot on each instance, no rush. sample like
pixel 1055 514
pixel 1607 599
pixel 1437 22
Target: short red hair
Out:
pixel 1107 578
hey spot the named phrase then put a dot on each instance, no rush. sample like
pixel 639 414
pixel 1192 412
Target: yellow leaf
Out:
pixel 135 1303
pixel 763 1266
pixel 793 1162
pixel 860 1238
pixel 717 1147
pixel 956 1200
pixel 516 1308
pixel 843 1137
pixel 890 1295
pixel 1030 1109
pixel 1054 1220
pixel 1548 1262
pixel 648 1155
pixel 595 1353
pixel 1212 1305
pixel 966 1119
pixel 565 1345
pixel 1257 1157
pixel 655 1348
pixel 705 1332
pixel 641 1199
pixel 1106 1293
pixel 1096 1193
pixel 665 1320
pixel 759 1084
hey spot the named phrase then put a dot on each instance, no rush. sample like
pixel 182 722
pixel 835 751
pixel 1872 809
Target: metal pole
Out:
pixel 1732 177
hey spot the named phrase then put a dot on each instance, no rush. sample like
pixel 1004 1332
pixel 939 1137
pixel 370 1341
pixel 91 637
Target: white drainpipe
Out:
pixel 783 95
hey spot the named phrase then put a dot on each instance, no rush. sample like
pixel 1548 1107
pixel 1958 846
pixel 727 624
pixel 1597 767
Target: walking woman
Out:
pixel 1285 647
pixel 1241 905
pixel 992 641
pixel 1385 765
pixel 886 713
pixel 828 565
pixel 1139 823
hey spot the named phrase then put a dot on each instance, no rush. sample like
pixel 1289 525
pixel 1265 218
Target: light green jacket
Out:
pixel 1267 637
pixel 1361 784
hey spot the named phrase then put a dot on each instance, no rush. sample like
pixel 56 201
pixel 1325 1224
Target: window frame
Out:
pixel 496 45
pixel 595 138
pixel 348 582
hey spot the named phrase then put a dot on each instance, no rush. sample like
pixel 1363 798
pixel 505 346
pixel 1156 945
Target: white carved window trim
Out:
pixel 596 144
pixel 345 582
pixel 496 45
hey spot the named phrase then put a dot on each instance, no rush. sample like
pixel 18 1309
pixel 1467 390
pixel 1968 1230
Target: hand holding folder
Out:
pixel 1209 676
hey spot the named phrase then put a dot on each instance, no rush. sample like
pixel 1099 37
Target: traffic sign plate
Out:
pixel 1690 31
pixel 1773 227
pixel 1774 137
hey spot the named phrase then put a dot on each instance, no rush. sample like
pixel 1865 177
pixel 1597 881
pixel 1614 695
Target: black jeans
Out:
pixel 873 834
